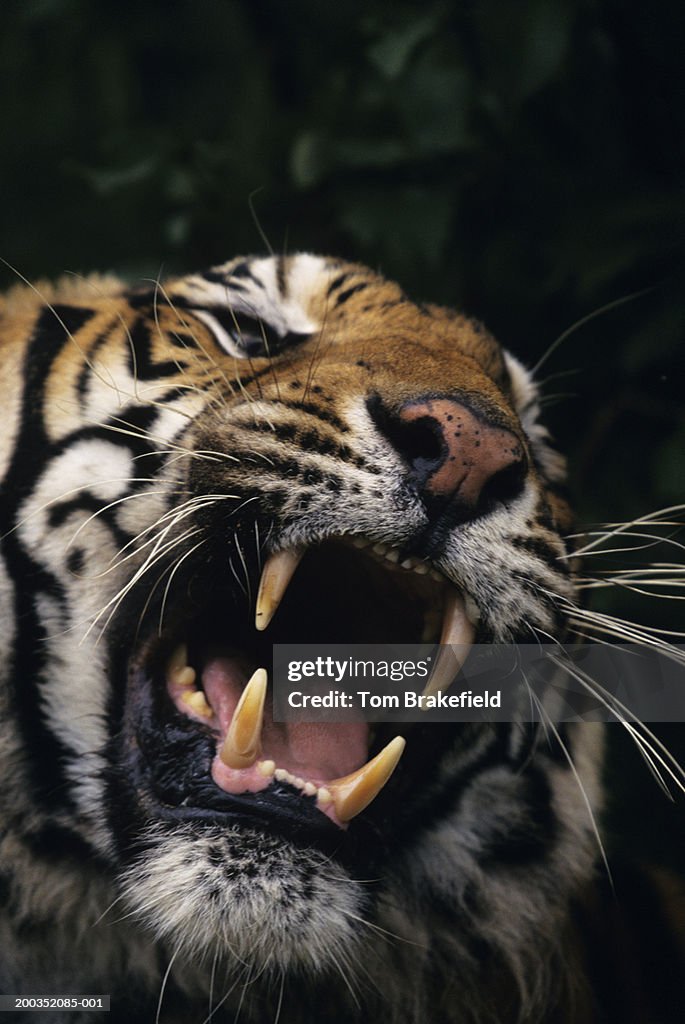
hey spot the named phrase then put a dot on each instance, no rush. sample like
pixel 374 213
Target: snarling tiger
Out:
pixel 276 450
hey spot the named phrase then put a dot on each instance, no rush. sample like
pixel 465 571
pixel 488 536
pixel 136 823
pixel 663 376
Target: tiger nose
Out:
pixel 455 453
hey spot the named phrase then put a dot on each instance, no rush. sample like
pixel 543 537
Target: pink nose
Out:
pixel 472 452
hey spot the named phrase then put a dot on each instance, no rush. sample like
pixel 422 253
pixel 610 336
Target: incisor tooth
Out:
pixel 243 740
pixel 184 676
pixel 276 575
pixel 352 793
pixel 197 702
pixel 457 636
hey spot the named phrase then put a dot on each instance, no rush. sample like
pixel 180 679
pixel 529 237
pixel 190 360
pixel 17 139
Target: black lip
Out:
pixel 167 768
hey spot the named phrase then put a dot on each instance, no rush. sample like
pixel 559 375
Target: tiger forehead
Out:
pixel 342 305
pixel 345 312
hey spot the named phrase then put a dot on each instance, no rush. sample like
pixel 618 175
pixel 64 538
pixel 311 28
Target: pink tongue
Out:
pixel 315 751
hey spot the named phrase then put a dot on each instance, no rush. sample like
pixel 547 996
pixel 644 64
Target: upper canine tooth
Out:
pixel 352 793
pixel 457 636
pixel 242 745
pixel 276 575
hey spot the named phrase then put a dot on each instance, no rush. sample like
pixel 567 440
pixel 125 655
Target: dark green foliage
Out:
pixel 523 160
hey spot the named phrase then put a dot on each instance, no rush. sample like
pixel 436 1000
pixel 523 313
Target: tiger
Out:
pixel 282 449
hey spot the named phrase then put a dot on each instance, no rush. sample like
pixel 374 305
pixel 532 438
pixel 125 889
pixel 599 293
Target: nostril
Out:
pixel 503 486
pixel 420 442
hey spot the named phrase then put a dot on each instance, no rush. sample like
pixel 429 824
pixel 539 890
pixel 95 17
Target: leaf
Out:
pixel 307 162
pixel 107 181
pixel 392 53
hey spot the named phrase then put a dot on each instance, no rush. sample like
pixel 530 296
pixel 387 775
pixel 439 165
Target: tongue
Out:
pixel 313 751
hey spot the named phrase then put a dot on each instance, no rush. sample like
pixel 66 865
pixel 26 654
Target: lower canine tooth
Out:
pixel 243 739
pixel 266 768
pixel 352 793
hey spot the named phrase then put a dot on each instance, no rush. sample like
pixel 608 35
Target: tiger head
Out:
pixel 276 450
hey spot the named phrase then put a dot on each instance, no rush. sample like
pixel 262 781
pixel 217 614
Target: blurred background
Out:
pixel 522 161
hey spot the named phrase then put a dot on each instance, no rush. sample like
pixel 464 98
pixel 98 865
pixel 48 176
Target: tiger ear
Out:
pixel 526 397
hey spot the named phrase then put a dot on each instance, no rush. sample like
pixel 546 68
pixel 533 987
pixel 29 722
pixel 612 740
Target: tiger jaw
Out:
pixel 343 768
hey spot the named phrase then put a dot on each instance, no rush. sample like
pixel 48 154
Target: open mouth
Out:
pixel 210 700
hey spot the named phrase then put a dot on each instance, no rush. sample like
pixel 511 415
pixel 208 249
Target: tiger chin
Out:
pixel 276 450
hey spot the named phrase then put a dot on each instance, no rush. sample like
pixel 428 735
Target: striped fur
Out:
pixel 159 436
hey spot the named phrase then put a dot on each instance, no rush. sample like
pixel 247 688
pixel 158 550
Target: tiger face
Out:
pixel 275 450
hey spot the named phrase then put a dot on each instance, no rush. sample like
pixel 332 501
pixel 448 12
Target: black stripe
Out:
pixel 215 276
pixel 227 280
pixel 181 340
pixel 316 412
pixel 47 753
pixel 222 277
pixel 53 842
pixel 337 282
pixel 59 513
pixel 520 842
pixel 281 277
pixel 143 367
pixel 86 370
pixel 244 270
pixel 543 550
pixel 72 320
pixel 250 378
pixel 306 439
pixel 423 806
pixel 349 292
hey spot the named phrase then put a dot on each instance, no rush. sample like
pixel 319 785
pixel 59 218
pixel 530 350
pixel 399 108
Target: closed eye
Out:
pixel 247 337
